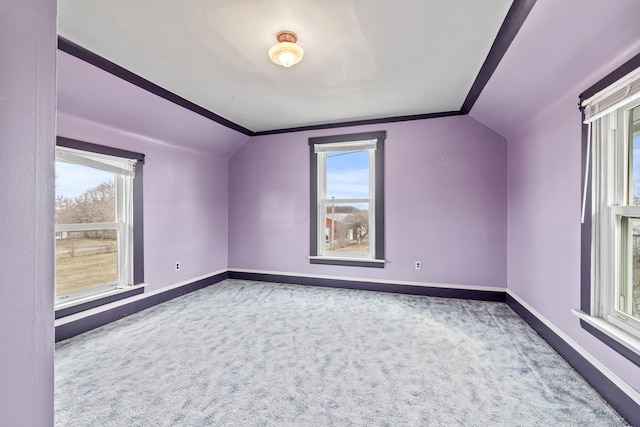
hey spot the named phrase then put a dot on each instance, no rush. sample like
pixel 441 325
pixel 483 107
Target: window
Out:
pixel 347 199
pixel 611 291
pixel 97 208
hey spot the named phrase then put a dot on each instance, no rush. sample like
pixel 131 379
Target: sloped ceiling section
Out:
pixel 363 59
pixel 93 94
pixel 560 44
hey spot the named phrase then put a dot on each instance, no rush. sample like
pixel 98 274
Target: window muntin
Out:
pixel 94 223
pixel 634 157
pixel 347 204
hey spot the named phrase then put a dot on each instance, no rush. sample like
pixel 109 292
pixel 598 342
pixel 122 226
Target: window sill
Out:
pixel 619 340
pixel 81 304
pixel 345 261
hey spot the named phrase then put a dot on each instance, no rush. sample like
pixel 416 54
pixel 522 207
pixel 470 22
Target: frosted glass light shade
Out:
pixel 287 52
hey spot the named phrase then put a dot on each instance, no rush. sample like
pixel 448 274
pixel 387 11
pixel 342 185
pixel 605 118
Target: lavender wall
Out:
pixel 445 190
pixel 92 93
pixel 185 202
pixel 27 135
pixel 544 225
pixel 532 99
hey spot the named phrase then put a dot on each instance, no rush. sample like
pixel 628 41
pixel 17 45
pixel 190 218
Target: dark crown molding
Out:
pixel 361 122
pixel 512 23
pixel 516 16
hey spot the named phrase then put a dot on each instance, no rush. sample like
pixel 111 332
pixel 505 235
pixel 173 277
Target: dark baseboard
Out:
pixel 618 399
pixel 373 286
pixel 88 323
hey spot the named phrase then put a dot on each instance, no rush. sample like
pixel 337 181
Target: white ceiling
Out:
pixel 364 59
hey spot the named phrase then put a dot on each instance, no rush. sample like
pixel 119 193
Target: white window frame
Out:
pixel 612 209
pixel 607 179
pixel 124 173
pixel 324 200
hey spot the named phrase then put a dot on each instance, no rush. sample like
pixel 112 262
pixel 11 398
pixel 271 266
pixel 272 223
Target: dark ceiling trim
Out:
pixel 80 52
pixel 516 16
pixel 362 122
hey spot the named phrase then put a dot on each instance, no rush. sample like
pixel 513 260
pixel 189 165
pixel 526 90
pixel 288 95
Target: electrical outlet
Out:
pixel 418 265
pixel 177 265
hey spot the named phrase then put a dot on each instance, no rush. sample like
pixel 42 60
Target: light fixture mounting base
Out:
pixel 286 36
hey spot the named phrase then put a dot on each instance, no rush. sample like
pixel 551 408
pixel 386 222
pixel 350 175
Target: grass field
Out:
pixel 349 246
pixel 95 263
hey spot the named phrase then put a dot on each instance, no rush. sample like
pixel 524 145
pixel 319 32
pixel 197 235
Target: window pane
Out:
pixel 85 259
pixel 347 228
pixel 84 194
pixel 634 137
pixel 348 174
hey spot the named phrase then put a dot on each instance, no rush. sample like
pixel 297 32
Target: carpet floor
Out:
pixel 243 353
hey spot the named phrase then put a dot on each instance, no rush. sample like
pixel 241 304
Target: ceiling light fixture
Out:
pixel 286 52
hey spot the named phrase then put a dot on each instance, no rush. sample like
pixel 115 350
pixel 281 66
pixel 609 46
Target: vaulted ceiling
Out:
pixel 364 60
pixel 196 73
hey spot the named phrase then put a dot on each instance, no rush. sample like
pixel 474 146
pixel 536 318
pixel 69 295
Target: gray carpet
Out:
pixel 244 353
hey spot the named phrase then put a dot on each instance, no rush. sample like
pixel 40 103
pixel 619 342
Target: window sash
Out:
pixel 124 226
pixel 612 209
pixel 323 216
pixel 620 271
pixel 70 297
pixel 95 288
pixel 324 201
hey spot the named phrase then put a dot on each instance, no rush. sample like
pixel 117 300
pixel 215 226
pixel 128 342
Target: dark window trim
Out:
pixel 61 141
pixel 585 229
pixel 619 348
pixel 380 136
pixel 138 211
pixel 77 308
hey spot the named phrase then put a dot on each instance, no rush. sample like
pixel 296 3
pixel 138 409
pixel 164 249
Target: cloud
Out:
pixel 352 183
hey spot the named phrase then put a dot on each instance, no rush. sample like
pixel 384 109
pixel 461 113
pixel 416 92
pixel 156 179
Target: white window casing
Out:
pixel 117 165
pixel 325 201
pixel 124 170
pixel 610 152
pixel 369 144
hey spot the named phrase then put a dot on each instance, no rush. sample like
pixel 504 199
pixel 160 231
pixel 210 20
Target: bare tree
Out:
pixel 359 221
pixel 96 204
pixel 69 245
